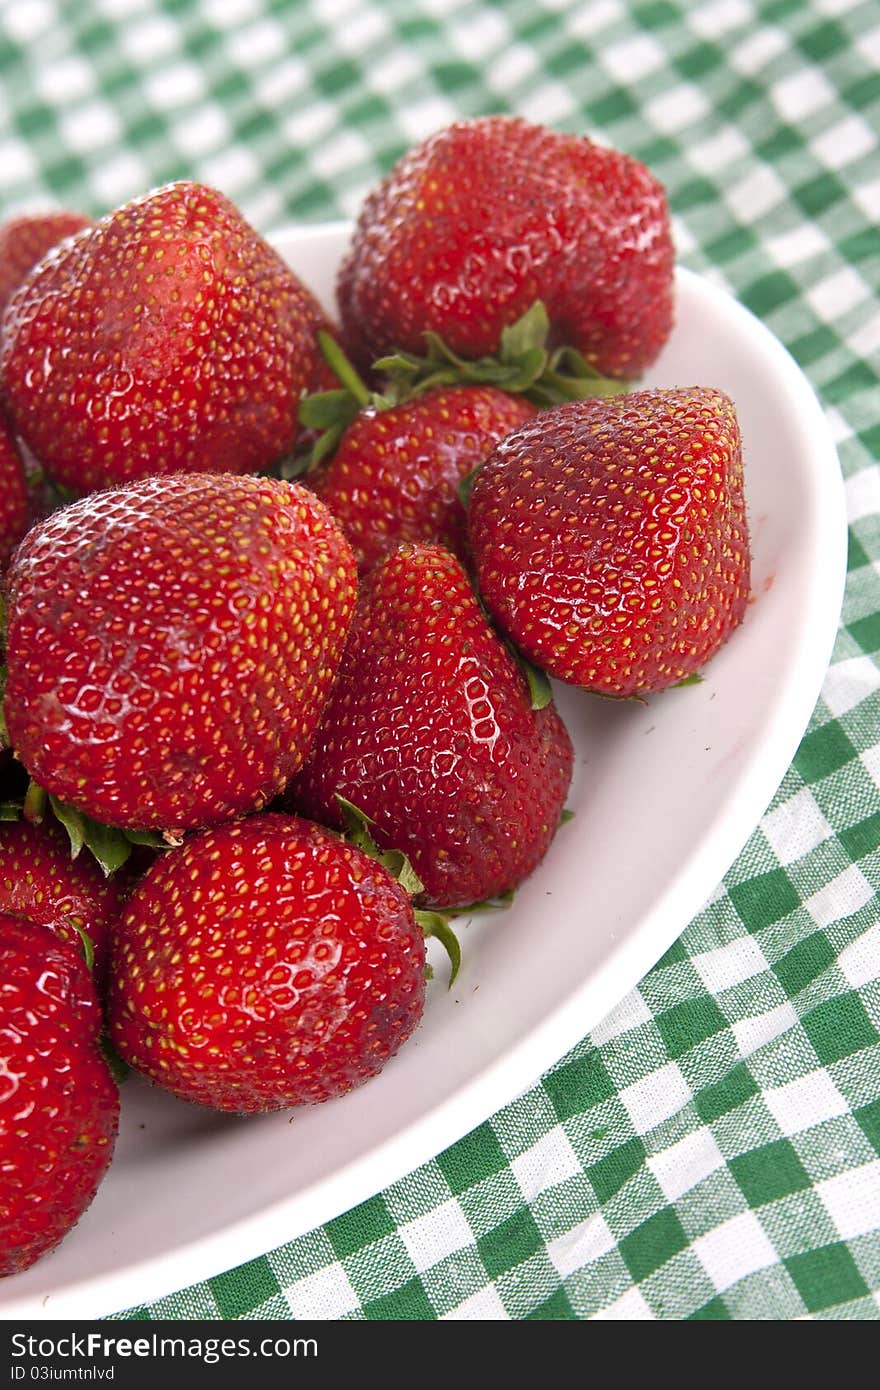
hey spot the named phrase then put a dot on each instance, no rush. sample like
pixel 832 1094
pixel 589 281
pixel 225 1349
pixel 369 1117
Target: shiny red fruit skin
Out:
pixel 40 881
pixel 611 540
pixel 488 215
pixel 25 240
pixel 59 1107
pixel 171 645
pixel 430 732
pixel 167 337
pixel 14 500
pixel 394 474
pixel 265 964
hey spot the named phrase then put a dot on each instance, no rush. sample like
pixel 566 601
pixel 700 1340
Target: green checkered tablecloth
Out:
pixel 712 1150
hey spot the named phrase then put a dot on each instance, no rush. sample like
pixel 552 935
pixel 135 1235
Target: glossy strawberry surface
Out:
pixel 487 216
pixel 167 337
pixel 265 964
pixel 14 500
pixel 430 733
pixel 171 644
pixel 59 1106
pixel 394 474
pixel 40 881
pixel 25 240
pixel 611 539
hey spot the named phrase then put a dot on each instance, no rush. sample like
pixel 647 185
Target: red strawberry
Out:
pixel 167 337
pixel 430 732
pixel 59 1106
pixel 14 501
pixel 489 215
pixel 265 964
pixel 610 537
pixel 25 240
pixel 171 644
pixel 394 473
pixel 40 881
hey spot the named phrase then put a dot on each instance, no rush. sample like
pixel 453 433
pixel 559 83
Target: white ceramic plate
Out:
pixel 665 796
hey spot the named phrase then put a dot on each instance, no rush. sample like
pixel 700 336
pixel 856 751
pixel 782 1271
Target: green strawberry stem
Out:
pixel 524 365
pixel 436 924
pixel 342 368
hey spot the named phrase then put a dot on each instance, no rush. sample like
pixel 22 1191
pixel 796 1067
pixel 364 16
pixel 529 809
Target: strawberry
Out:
pixel 265 964
pixel 25 240
pixel 171 644
pixel 40 881
pixel 487 216
pixel 431 734
pixel 14 501
pixel 59 1107
pixel 610 537
pixel 167 337
pixel 394 473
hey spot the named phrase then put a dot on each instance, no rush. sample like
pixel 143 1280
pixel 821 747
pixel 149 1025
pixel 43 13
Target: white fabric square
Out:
pixel 866 339
pixel 848 683
pixel 718 152
pixel 837 294
pixel 341 151
pixel 681 1166
pixel 325 1294
pixel 148 38
pixel 805 1102
pixel 863 493
pixel 629 1013
pixel 673 110
pixel 430 1238
pixel 759 49
pixel 512 66
pixel 630 1307
pixel 734 1249
pixel 119 177
pixel 867 195
pixel 860 960
pixel 90 126
pixel 577 1248
pixel 633 58
pixel 797 244
pixel 870 760
pixel 757 193
pixel 752 1033
pixel 715 19
pixel 657 1096
pixel 482 1306
pixel 795 827
pixel 729 965
pixel 801 94
pixel 230 169
pixel 421 118
pixel 15 161
pixel 175 85
pixel 480 32
pixel 67 80
pixel 841 897
pixel 206 129
pixel 545 1164
pixel 852 1200
pixel 843 142
pixel 587 20
pixel 24 22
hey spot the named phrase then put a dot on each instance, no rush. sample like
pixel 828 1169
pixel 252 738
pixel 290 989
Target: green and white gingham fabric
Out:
pixel 713 1149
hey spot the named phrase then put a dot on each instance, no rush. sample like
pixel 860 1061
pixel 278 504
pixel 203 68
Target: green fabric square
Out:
pixel 868 1117
pixel 839 1027
pixel 689 1023
pixel 579 1085
pixel 862 838
pixel 715 1310
pixel 770 1172
pixel 475 1157
pixel 857 557
pixel 866 631
pixel 673 956
pixel 764 899
pixel 826 1276
pixel 653 1243
pixel 359 1227
pixel 245 1288
pixel 556 1308
pixel 770 293
pixel 733 1090
pixel 511 1242
pixel 409 1303
pixel 803 963
pixel 823 751
pixel 611 1172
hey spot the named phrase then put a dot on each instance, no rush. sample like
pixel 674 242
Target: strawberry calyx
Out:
pixel 524 365
pixel 110 845
pixel 329 413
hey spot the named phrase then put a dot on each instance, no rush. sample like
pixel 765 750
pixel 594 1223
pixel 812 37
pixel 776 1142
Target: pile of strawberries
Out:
pixel 281 600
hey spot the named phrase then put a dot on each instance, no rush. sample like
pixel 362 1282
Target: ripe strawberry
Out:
pixel 14 501
pixel 59 1107
pixel 25 240
pixel 40 881
pixel 489 215
pixel 394 473
pixel 168 337
pixel 610 537
pixel 430 732
pixel 265 964
pixel 171 644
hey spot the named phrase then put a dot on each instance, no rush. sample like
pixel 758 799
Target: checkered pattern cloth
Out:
pixel 712 1150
